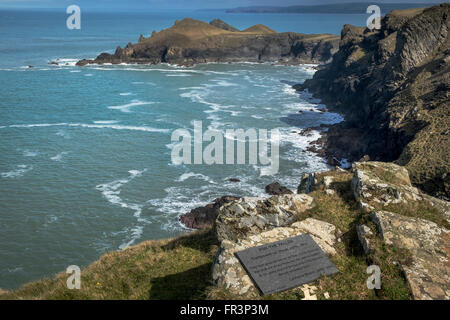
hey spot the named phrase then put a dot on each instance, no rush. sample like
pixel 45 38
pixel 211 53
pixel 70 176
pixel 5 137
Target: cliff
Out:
pixel 191 41
pixel 393 86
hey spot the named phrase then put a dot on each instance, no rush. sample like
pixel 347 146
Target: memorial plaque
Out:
pixel 285 264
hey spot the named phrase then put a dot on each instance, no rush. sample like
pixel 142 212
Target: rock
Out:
pixel 227 271
pixel 327 181
pixel 204 217
pixel 429 273
pixel 332 161
pixel 308 181
pixel 364 159
pixel 191 41
pixel 82 63
pixel 330 192
pixel 379 184
pixel 277 189
pixel 54 63
pixel 234 180
pixel 364 233
pixel 249 216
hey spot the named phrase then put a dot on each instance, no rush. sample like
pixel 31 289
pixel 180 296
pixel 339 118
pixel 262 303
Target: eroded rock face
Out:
pixel 249 216
pixel 429 273
pixel 227 271
pixel 379 184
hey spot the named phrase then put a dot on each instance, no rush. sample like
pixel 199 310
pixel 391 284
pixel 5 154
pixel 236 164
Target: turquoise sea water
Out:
pixel 85 163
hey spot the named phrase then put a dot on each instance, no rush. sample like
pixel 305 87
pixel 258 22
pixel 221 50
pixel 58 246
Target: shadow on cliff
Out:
pixel 187 285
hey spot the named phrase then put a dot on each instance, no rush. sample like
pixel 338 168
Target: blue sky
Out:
pixel 176 4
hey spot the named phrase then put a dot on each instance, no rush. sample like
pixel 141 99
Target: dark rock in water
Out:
pixel 82 63
pixel 276 189
pixel 234 180
pixel 54 63
pixel 204 217
pixel 191 41
pixel 392 85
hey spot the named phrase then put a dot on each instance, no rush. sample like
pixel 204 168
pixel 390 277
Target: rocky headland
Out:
pixel 191 41
pixel 393 87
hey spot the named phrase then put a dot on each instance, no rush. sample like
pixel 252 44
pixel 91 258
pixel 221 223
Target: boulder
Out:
pixel 227 271
pixel 429 273
pixel 379 184
pixel 364 233
pixel 276 188
pixel 249 216
pixel 307 183
pixel 204 217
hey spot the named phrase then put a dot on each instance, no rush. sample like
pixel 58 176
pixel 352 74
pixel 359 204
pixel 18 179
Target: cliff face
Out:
pixel 393 85
pixel 190 41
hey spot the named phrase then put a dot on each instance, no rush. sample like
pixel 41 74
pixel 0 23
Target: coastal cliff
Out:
pixel 393 86
pixel 191 41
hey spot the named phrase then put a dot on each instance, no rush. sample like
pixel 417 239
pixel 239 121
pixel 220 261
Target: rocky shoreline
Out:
pixel 393 88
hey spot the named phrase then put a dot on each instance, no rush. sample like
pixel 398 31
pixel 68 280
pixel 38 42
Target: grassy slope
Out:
pixel 180 268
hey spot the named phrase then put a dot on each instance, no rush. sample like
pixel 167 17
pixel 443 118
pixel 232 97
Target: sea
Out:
pixel 85 152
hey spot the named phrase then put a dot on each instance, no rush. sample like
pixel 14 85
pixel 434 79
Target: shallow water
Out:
pixel 85 152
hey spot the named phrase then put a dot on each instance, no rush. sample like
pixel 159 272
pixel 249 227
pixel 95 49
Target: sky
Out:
pixel 177 4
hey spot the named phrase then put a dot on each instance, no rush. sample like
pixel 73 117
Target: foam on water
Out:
pixel 59 156
pixel 111 192
pixel 126 107
pixel 20 170
pixel 86 125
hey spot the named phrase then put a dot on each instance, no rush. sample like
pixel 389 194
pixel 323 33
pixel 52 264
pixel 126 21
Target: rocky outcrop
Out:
pixel 276 188
pixel 227 271
pixel 428 274
pixel 393 86
pixel 377 185
pixel 204 217
pixel 249 216
pixel 190 41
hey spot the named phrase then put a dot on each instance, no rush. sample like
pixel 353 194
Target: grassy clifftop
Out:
pixel 181 268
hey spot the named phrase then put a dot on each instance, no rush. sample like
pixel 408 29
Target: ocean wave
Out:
pixel 106 122
pixel 85 125
pixel 28 153
pixel 111 192
pixel 20 171
pixel 126 107
pixel 188 175
pixel 59 156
